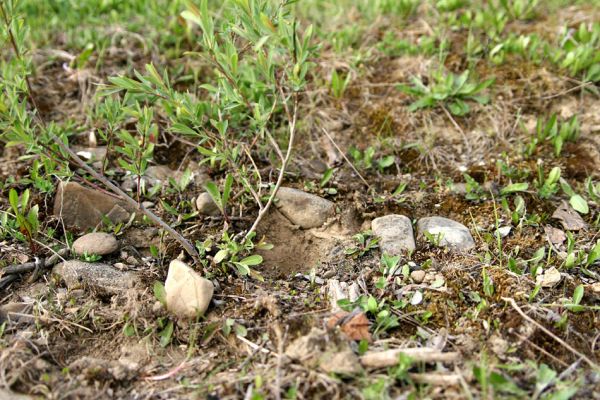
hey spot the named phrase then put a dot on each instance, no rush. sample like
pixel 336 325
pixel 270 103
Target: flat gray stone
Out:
pixel 395 233
pixel 303 209
pixel 454 234
pixel 99 243
pixel 102 278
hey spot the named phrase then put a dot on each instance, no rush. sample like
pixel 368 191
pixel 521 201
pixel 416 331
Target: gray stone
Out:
pixel 83 208
pixel 99 243
pixel 206 206
pixel 98 277
pixel 454 234
pixel 395 233
pixel 188 294
pixel 303 209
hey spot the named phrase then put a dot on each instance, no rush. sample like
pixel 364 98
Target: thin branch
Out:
pixel 284 163
pixel 346 158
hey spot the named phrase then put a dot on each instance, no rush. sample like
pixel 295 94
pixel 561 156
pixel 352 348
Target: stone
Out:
pixel 395 233
pixel 187 293
pixel 82 208
pixel 99 243
pixel 16 312
pixel 569 218
pixel 337 291
pixel 417 276
pixel 206 205
pixel 98 277
pixel 549 279
pixel 454 234
pixel 303 209
pixel 317 349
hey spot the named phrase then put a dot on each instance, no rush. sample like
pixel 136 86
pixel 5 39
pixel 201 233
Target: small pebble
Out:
pixel 99 243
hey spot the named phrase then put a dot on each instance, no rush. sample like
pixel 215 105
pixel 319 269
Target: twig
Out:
pixel 436 378
pixel 252 345
pixel 457 126
pixel 567 346
pixel 389 358
pixel 284 163
pixel 346 158
pixel 157 220
pixel 168 374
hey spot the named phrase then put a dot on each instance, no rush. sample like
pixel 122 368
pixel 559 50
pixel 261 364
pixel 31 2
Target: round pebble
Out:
pixel 95 243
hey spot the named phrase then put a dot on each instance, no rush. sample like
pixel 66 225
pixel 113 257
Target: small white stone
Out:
pixel 550 278
pixel 206 205
pixel 188 294
pixel 417 276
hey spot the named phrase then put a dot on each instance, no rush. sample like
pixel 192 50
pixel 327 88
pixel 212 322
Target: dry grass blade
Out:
pixel 389 358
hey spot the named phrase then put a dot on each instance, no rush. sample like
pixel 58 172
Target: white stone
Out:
pixel 395 233
pixel 453 234
pixel 188 294
pixel 550 278
pixel 206 205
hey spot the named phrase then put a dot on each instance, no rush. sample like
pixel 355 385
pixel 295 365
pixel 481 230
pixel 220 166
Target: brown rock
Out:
pixel 83 208
pixel 99 243
pixel 569 218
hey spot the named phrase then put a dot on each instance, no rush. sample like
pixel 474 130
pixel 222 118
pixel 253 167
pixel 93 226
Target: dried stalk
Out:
pixel 389 358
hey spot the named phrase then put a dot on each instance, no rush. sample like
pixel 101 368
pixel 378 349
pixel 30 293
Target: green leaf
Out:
pixel 13 198
pixel 578 294
pixel 220 256
pixel 214 193
pixel 593 255
pixel 579 204
pixel 252 260
pixel 515 187
pixel 242 269
pixel 160 293
pixel 227 190
pixel 166 335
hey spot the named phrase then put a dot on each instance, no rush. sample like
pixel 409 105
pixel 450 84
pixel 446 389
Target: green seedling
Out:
pixel 447 90
pixel 26 216
pixel 365 243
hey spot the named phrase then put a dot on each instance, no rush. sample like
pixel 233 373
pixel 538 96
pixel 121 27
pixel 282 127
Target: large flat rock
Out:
pixel 83 208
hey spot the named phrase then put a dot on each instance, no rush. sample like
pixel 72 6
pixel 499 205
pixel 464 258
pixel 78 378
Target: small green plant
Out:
pixel 556 132
pixel 435 239
pixel 447 90
pixel 26 216
pixel 232 254
pixel 221 199
pixel 578 53
pixel 548 186
pixel 365 243
pixel 519 9
pixel 91 257
pixel 338 84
